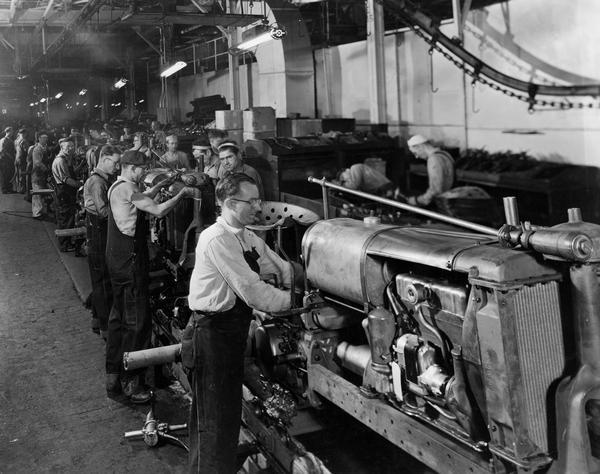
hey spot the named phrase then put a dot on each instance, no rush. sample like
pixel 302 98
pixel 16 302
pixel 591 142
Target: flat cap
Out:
pixel 201 141
pixel 417 140
pixel 8 129
pixel 228 144
pixel 133 157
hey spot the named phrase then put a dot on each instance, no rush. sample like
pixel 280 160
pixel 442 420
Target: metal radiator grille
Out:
pixel 541 353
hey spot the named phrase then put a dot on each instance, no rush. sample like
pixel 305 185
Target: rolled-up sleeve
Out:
pixel 243 281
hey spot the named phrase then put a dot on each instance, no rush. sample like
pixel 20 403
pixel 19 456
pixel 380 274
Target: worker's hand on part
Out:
pixel 188 191
pixel 398 196
pixel 412 200
pixel 167 181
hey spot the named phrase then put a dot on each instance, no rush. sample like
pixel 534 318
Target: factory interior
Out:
pixel 300 236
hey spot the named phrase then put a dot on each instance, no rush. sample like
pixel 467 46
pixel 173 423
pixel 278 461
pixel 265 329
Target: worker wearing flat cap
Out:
pixel 130 322
pixel 440 169
pixel 231 163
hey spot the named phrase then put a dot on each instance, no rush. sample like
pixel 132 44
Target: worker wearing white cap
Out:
pixel 440 169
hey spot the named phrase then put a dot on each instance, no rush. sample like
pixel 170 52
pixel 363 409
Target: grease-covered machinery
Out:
pixel 468 353
pixel 473 352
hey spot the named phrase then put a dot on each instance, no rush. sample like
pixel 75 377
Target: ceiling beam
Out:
pixel 69 30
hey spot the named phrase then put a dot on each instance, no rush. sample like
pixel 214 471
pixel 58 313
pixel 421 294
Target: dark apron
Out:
pixel 130 322
pixel 97 228
pixel 66 202
pixel 219 343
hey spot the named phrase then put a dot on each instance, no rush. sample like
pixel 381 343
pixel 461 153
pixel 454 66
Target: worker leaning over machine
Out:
pixel 95 196
pixel 67 185
pixel 130 323
pixel 440 169
pixel 231 162
pixel 224 288
pixel 174 158
pixel 365 178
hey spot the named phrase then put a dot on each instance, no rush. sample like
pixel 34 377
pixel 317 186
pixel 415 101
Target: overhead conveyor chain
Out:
pixel 409 14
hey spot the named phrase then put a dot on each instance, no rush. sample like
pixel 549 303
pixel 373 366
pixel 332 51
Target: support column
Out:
pixel 376 60
pixel 460 15
pixel 104 85
pixel 234 70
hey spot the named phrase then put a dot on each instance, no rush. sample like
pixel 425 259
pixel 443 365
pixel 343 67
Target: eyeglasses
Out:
pixel 252 202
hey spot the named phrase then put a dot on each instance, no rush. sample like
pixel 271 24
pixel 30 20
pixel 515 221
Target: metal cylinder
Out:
pixel 353 358
pixel 568 245
pixel 511 211
pixel 574 214
pixel 148 357
pixel 382 330
pixel 333 251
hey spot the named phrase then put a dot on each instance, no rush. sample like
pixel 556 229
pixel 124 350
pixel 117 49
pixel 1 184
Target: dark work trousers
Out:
pixel 6 174
pixel 219 342
pixel 66 201
pixel 130 321
pixel 101 287
pixel 215 414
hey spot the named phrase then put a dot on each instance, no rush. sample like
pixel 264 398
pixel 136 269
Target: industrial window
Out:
pixel 211 55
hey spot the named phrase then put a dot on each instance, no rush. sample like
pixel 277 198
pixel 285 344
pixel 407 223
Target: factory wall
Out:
pixel 191 87
pixel 559 34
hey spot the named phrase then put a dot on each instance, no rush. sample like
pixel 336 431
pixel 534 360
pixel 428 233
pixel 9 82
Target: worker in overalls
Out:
pixel 224 288
pixel 130 321
pixel 95 197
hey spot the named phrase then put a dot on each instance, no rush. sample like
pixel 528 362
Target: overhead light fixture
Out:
pixel 58 95
pixel 31 104
pixel 120 83
pixel 173 68
pixel 272 32
pixel 83 92
pixel 42 100
pixel 141 101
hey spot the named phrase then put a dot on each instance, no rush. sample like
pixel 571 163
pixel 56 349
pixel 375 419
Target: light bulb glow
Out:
pixel 172 69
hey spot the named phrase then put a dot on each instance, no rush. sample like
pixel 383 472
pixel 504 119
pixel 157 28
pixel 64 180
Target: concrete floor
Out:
pixel 54 413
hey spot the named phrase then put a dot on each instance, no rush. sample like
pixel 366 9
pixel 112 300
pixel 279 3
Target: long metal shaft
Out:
pixel 407 207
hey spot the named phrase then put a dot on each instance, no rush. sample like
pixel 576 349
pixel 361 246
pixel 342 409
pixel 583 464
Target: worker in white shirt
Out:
pixel 224 288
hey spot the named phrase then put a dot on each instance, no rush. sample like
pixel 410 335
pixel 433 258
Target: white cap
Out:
pixel 417 140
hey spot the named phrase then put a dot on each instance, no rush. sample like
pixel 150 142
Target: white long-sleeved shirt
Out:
pixel 440 170
pixel 221 273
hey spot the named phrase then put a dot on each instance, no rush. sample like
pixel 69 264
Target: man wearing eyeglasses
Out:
pixel 231 162
pixel 95 198
pixel 224 288
pixel 130 322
